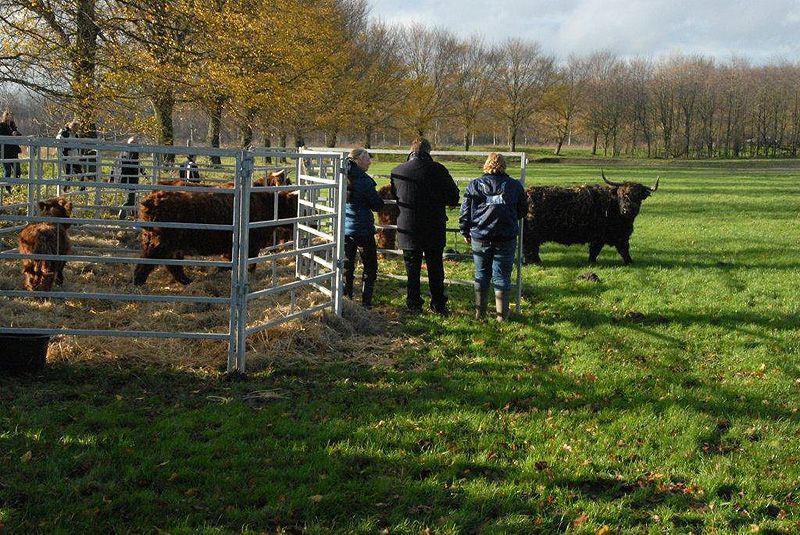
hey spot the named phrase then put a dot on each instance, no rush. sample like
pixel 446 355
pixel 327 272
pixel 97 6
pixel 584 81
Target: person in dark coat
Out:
pixel 359 225
pixel 189 170
pixel 493 205
pixel 423 189
pixel 70 155
pixel 9 151
pixel 130 168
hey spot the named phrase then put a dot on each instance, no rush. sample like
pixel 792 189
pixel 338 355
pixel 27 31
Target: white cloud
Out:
pixel 719 28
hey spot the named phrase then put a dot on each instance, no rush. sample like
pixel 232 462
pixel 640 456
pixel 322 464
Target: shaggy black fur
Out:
pixel 597 214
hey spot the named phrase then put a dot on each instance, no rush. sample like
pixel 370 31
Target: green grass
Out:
pixel 662 399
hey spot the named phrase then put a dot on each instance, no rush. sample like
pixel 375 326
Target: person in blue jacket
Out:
pixel 359 225
pixel 493 205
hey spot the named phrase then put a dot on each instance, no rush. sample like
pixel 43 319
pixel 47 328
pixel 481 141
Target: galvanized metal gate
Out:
pixel 83 170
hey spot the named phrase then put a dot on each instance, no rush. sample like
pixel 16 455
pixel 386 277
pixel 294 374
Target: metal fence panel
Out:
pixel 87 173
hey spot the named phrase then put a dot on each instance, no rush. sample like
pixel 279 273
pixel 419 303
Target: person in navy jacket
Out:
pixel 359 225
pixel 493 205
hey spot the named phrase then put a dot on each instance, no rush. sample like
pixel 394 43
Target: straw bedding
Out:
pixel 358 336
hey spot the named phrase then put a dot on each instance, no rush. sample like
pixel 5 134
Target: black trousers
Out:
pixel 131 200
pixel 369 258
pixel 413 261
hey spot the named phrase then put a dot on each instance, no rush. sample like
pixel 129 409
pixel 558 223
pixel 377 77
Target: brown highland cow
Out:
pixel 387 216
pixel 211 209
pixel 49 239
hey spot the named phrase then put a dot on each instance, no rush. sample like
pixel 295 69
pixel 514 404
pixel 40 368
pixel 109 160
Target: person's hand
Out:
pixel 467 239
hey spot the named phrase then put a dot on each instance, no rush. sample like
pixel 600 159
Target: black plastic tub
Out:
pixel 22 353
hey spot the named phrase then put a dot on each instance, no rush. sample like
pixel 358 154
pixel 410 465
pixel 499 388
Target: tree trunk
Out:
pixel 84 64
pixel 559 144
pixel 215 126
pixel 368 137
pixel 513 140
pixel 247 128
pixel 594 143
pixel 267 144
pixel 299 139
pixel 331 136
pixel 163 107
pixel 467 140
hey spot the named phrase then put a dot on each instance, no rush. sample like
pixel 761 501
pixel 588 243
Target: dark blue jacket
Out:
pixel 362 199
pixel 492 208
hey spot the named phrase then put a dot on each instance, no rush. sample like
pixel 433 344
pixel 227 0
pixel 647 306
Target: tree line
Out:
pixel 282 72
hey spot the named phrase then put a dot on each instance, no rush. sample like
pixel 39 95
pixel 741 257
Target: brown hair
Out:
pixel 6 116
pixel 421 146
pixel 495 164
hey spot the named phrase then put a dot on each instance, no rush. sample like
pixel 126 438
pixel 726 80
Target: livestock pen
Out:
pixel 229 300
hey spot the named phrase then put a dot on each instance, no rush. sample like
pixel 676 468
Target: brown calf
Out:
pixel 49 239
pixel 387 215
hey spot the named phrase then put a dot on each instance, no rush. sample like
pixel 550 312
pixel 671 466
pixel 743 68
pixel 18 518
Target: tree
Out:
pixel 564 100
pixel 470 86
pixel 431 62
pixel 151 50
pixel 521 73
pixel 52 48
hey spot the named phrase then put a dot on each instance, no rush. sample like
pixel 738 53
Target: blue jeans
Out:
pixel 493 263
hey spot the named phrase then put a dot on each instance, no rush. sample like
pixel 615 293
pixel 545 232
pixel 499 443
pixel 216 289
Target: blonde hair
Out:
pixel 358 153
pixel 495 164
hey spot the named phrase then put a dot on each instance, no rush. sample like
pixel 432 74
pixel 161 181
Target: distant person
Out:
pixel 70 155
pixel 130 168
pixel 9 151
pixel 359 225
pixel 493 205
pixel 423 189
pixel 189 170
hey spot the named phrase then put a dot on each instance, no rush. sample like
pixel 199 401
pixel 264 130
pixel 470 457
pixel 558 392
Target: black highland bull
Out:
pixel 598 215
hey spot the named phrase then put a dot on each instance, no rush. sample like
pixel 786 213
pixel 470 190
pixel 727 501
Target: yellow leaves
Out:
pixel 26 457
pixel 603 530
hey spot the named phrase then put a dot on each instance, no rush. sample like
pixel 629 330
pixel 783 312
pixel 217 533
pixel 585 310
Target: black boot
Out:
pixel 366 294
pixel 348 289
pixel 481 302
pixel 501 302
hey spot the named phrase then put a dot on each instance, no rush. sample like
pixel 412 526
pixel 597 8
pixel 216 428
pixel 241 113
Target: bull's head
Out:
pixel 630 195
pixel 58 207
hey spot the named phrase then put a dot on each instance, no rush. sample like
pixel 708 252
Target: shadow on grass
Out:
pixel 344 447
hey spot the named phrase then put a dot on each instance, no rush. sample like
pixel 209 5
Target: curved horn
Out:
pixel 607 181
pixel 654 188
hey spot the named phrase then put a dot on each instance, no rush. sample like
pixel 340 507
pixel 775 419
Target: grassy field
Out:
pixel 662 399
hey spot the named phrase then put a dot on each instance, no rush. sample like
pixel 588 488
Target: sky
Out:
pixel 766 31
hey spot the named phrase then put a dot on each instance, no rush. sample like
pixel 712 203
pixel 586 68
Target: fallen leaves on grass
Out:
pixel 581 520
pixel 26 457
